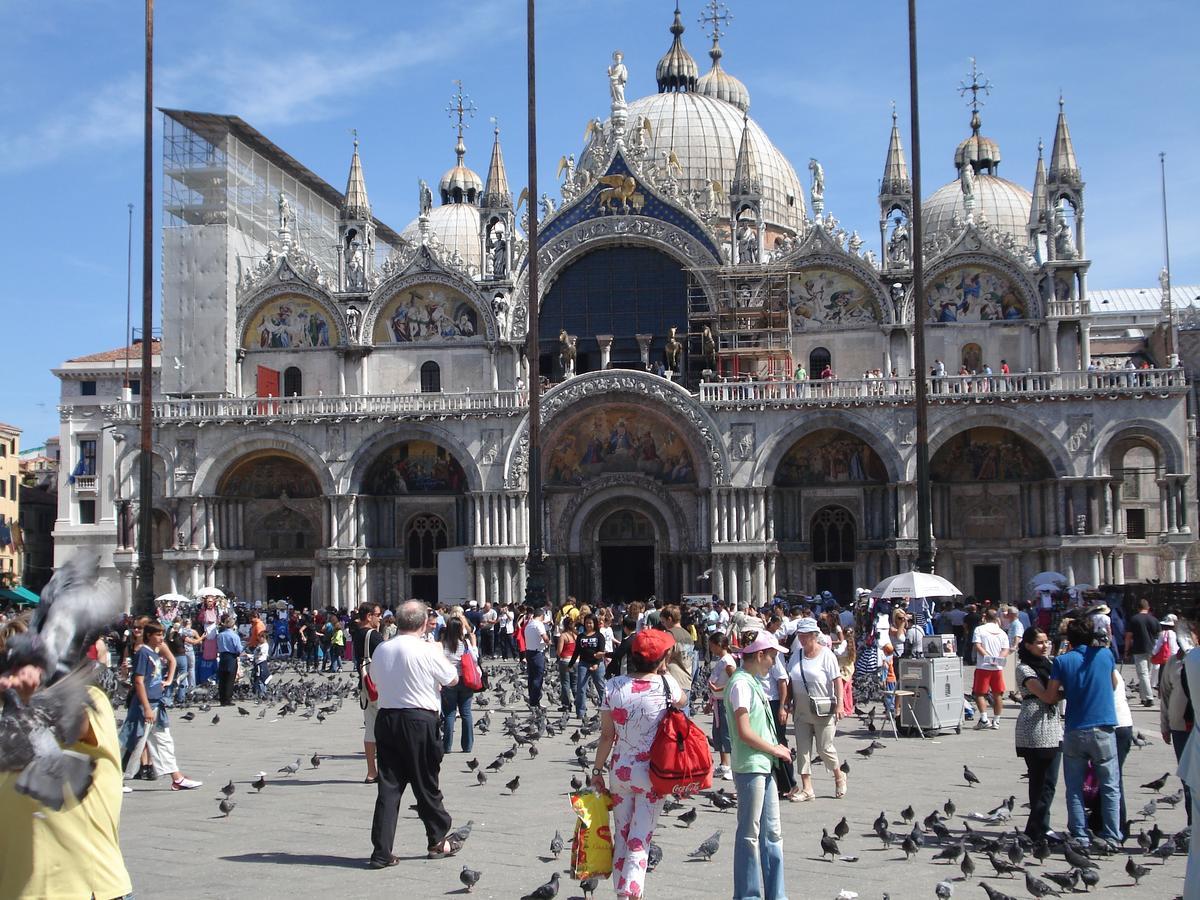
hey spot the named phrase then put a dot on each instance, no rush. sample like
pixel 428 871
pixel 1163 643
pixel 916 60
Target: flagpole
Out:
pixel 144 598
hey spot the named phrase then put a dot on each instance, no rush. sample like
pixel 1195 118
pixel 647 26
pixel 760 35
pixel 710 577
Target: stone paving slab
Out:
pixel 308 835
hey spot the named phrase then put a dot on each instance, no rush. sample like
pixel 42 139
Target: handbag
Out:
pixel 472 677
pixel 369 687
pixel 821 707
pixel 680 761
pixel 1162 655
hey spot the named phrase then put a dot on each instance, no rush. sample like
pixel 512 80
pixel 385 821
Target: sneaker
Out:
pixel 185 784
pixel 994 724
pixel 126 789
pixel 982 723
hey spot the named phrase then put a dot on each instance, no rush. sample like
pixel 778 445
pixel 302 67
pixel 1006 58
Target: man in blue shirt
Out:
pixel 1085 677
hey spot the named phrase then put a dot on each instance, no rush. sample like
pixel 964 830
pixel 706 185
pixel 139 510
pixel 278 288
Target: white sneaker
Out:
pixel 725 773
pixel 994 725
pixel 981 723
pixel 185 784
pixel 126 789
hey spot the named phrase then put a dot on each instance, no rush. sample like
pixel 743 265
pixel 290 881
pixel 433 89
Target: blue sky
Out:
pixel 305 72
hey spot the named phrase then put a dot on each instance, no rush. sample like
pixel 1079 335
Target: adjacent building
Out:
pixel 10 512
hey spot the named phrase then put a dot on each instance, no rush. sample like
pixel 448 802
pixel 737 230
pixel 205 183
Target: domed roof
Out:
pixel 460 185
pixel 1004 205
pixel 705 134
pixel 718 83
pixel 676 71
pixel 456 226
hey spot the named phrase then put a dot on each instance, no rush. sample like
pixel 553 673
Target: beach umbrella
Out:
pixel 915 584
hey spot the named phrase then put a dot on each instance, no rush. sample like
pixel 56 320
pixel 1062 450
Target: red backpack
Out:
pixel 680 761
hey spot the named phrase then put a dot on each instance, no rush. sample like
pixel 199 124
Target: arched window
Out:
pixel 431 378
pixel 833 536
pixel 817 361
pixel 426 536
pixel 972 358
pixel 293 382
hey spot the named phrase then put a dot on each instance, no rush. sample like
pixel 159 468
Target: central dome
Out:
pixel 705 134
pixel 1001 203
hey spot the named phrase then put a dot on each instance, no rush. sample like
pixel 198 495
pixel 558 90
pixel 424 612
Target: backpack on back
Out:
pixel 680 761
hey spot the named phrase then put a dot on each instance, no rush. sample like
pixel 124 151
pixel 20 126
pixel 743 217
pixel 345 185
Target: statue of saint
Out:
pixel 547 205
pixel 498 244
pixel 1064 244
pixel 353 321
pixel 898 244
pixel 818 180
pixel 748 242
pixel 967 183
pixel 708 347
pixel 424 198
pixel 500 310
pixel 617 76
pixel 285 212
pixel 355 277
pixel 673 352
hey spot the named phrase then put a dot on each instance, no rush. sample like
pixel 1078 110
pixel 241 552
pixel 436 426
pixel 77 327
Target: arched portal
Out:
pixel 627 545
pixel 834 548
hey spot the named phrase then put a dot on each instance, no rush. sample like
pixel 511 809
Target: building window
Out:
pixel 3 450
pixel 87 388
pixel 817 361
pixel 1135 524
pixel 426 536
pixel 3 489
pixel 87 512
pixel 87 457
pixel 833 536
pixel 431 378
pixel 135 386
pixel 293 382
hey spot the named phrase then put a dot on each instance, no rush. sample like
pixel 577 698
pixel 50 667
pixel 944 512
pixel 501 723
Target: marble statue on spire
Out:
pixel 618 75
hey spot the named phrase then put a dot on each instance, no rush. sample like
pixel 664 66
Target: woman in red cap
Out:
pixel 634 704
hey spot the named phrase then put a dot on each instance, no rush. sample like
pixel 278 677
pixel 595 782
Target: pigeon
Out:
pixel 1067 880
pixel 967 866
pixel 865 752
pixel 907 814
pixel 970 777
pixel 1016 855
pixel 1039 888
pixel 291 768
pixel 722 801
pixel 880 824
pixel 459 835
pixel 588 886
pixel 841 829
pixel 229 788
pixel 533 751
pixel 845 767
pixel 469 877
pixel 1003 866
pixel 513 785
pixel 315 761
pixel 653 857
pixel 992 893
pixel 260 782
pixel 1158 783
pixel 32 736
pixel 950 854
pixel 547 891
pixel 949 809
pixel 1172 800
pixel 688 817
pixel 262 713
pixel 472 764
pixel 1076 859
pixel 1041 850
pixel 480 778
pixel 188 716
pixel 708 849
pixel 576 783
pixel 670 805
pixel 1136 872
pixel 943 890
pixel 226 806
pixel 910 847
pixel 1165 851
pixel 1089 877
pixel 216 718
pixel 556 844
pixel 829 846
pixel 1149 809
pixel 242 711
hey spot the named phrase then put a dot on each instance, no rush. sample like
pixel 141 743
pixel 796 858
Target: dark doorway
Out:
pixel 294 589
pixel 839 582
pixel 987 583
pixel 425 587
pixel 626 574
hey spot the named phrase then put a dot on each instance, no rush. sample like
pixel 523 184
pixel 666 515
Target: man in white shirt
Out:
pixel 537 639
pixel 488 628
pixel 991 649
pixel 410 674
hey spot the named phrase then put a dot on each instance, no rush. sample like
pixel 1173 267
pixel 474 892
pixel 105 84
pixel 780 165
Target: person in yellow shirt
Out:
pixel 76 851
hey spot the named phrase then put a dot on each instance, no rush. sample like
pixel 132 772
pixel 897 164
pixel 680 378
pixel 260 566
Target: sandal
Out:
pixel 445 849
pixel 804 797
pixel 840 787
pixel 374 780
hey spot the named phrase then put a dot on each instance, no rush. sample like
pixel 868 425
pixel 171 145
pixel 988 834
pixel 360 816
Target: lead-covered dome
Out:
pixel 456 226
pixel 1001 203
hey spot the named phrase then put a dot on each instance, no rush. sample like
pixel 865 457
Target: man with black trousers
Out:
pixel 410 673
pixel 1140 636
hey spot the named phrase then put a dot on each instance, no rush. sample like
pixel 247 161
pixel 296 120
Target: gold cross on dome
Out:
pixel 975 86
pixel 716 15
pixel 461 107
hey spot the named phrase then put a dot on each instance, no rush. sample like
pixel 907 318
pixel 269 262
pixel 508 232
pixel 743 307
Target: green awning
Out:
pixel 20 595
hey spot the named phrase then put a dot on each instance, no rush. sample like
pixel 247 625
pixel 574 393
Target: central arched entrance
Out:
pixel 627 544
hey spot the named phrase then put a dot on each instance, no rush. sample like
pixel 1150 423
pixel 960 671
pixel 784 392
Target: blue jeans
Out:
pixel 566 684
pixel 758 847
pixel 535 672
pixel 261 673
pixel 720 736
pixel 184 663
pixel 1099 747
pixel 582 677
pixel 456 700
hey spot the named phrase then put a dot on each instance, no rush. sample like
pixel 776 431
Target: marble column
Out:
pixel 605 343
pixel 481 593
pixel 718 578
pixel 760 576
pixel 772 587
pixel 335 587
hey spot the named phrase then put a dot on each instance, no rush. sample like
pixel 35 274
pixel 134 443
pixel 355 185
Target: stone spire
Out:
pixel 676 70
pixel 1064 168
pixel 895 168
pixel 356 205
pixel 496 193
pixel 1037 208
pixel 747 173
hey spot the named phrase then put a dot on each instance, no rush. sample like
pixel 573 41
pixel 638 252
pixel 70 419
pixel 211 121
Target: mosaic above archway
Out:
pixel 426 313
pixel 973 294
pixel 618 439
pixel 988 454
pixel 289 324
pixel 829 456
pixel 415 467
pixel 270 477
pixel 824 298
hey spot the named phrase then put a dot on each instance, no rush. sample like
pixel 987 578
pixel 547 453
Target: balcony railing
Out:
pixel 84 484
pixel 381 406
pixel 946 388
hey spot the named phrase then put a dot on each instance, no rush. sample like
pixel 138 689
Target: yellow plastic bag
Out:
pixel 592 846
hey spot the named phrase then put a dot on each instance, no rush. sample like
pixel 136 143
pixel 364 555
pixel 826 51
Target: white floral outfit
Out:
pixel 637 705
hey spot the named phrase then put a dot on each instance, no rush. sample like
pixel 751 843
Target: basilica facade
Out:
pixel 727 378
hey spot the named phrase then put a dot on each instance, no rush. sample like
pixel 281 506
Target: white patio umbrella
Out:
pixel 1048 587
pixel 1056 578
pixel 171 598
pixel 209 592
pixel 915 584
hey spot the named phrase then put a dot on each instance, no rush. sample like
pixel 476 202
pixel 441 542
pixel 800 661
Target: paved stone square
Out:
pixel 308 835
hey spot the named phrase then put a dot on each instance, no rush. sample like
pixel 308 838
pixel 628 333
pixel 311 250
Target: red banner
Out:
pixel 268 386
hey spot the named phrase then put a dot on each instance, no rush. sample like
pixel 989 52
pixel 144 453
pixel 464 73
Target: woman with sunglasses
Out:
pixel 1039 729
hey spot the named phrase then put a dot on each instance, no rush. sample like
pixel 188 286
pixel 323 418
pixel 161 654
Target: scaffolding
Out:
pixel 747 310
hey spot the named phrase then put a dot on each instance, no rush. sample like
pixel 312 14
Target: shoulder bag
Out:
pixel 821 707
pixel 680 761
pixel 370 693
pixel 472 676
